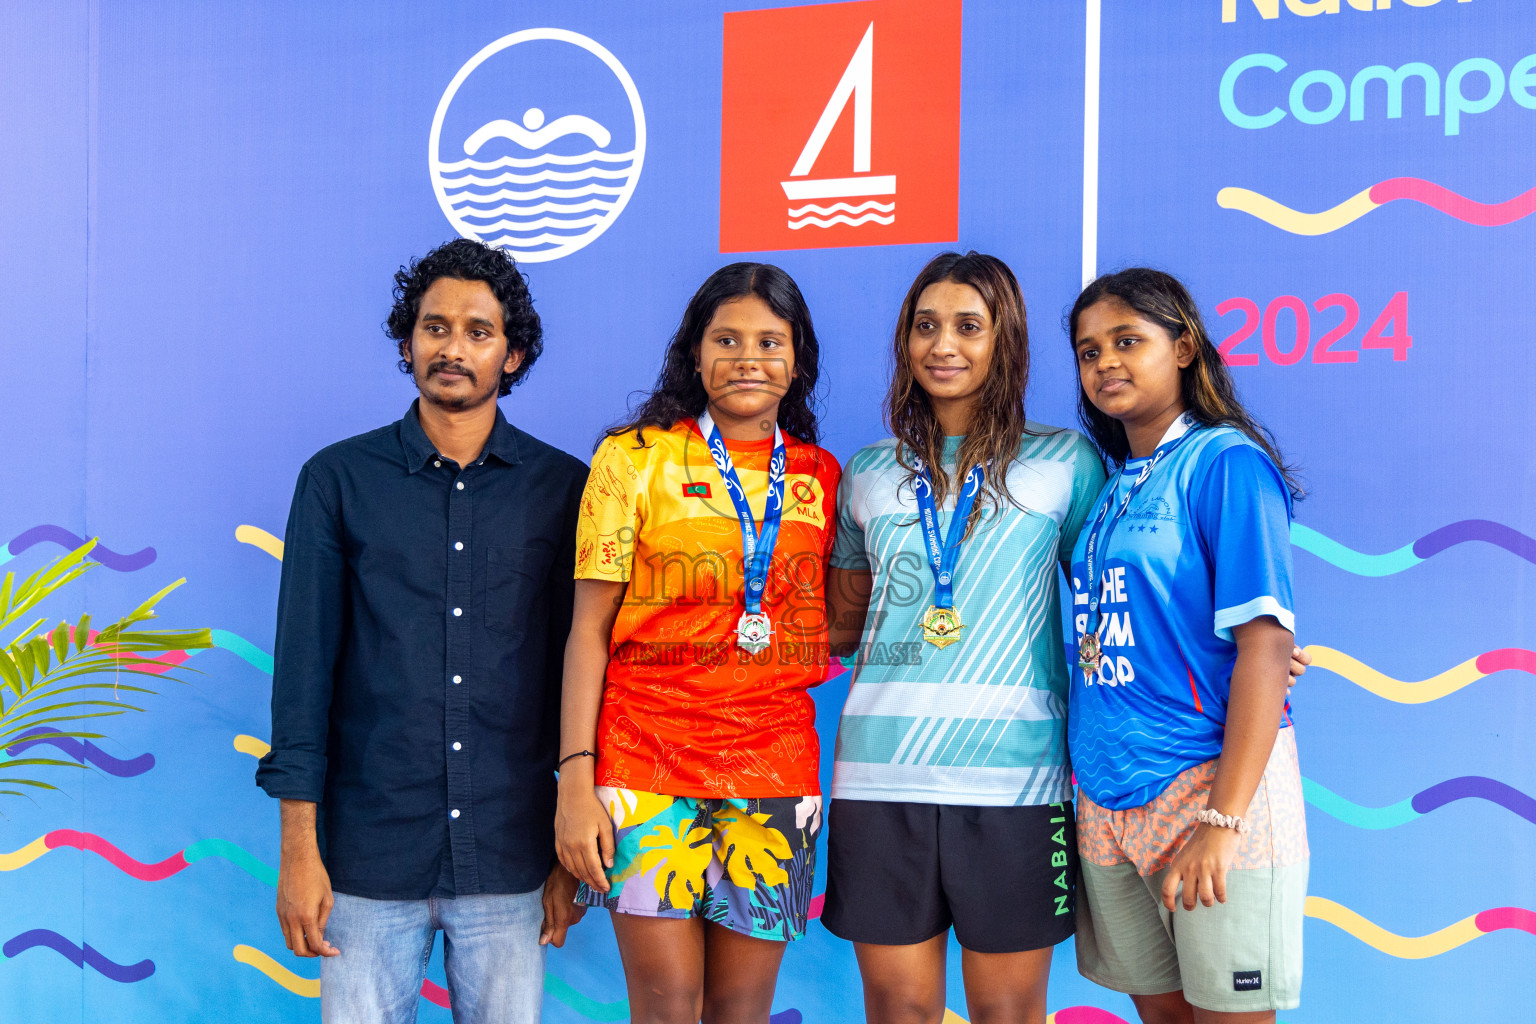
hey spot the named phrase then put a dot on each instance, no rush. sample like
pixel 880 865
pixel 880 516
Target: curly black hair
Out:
pixel 465 259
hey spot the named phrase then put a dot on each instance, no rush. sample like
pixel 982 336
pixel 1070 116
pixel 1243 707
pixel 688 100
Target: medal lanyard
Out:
pixel 757 550
pixel 1098 540
pixel 942 558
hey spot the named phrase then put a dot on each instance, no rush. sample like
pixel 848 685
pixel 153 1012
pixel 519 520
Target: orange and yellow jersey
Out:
pixel 685 711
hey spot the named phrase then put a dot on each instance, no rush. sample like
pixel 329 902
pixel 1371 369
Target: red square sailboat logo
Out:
pixel 841 125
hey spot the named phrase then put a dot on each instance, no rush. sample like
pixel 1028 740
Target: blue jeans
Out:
pixel 491 953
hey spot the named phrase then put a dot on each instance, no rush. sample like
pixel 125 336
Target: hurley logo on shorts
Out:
pixel 1247 981
pixel 698 490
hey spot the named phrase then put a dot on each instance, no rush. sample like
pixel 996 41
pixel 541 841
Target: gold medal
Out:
pixel 1089 653
pixel 941 626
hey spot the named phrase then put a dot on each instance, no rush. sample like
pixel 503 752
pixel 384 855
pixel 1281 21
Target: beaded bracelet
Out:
pixel 1211 816
pixel 570 757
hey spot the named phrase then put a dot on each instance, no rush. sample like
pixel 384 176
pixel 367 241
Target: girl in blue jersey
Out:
pixel 951 797
pixel 1190 814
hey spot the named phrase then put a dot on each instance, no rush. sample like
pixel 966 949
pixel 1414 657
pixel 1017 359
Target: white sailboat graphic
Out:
pixel 856 85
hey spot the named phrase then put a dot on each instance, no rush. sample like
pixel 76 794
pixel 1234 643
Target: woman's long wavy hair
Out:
pixel 1209 393
pixel 997 416
pixel 679 390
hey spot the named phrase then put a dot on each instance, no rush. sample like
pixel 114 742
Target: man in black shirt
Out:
pixel 425 602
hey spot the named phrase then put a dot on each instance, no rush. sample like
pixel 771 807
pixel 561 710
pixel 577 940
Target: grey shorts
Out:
pixel 1241 955
pixel 1237 956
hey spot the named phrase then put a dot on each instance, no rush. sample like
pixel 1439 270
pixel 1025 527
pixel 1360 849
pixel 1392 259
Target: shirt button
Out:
pixel 458 679
pixel 453 813
pixel 457 612
pixel 458 545
pixel 460 485
pixel 458 746
pixel 438 463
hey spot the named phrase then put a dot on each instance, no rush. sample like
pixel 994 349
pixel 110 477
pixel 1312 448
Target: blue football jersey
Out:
pixel 1203 547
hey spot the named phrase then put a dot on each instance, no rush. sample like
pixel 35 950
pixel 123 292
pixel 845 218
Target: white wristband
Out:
pixel 1210 816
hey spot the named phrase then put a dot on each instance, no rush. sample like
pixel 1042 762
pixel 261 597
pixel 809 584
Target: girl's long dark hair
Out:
pixel 997 420
pixel 679 390
pixel 1209 393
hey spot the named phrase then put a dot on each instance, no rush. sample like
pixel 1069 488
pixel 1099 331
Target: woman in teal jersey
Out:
pixel 1191 822
pixel 951 798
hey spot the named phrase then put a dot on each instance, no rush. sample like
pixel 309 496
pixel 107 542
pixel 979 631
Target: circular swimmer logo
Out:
pixel 535 147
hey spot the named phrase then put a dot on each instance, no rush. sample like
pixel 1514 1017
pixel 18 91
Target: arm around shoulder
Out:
pixel 1259 681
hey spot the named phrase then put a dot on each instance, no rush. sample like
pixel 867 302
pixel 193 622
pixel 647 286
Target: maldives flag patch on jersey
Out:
pixel 698 490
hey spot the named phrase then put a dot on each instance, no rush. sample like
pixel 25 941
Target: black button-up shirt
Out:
pixel 421 628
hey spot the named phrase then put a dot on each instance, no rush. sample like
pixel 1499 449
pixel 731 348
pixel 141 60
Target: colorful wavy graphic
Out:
pixel 48 533
pixel 1419 947
pixel 1516 659
pixel 259 538
pixel 1408 556
pixel 1065 1015
pixel 223 639
pixel 82 751
pixel 583 1004
pixel 253 746
pixel 243 649
pixel 1417 190
pixel 1467 787
pixel 80 956
pixel 431 991
pixel 144 872
pixel 434 993
pixel 1084 1015
pixel 309 988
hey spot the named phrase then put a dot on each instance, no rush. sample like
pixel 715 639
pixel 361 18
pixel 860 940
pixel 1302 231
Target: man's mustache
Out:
pixel 442 365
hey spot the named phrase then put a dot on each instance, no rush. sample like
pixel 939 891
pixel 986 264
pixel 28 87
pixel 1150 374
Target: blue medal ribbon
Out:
pixel 757 549
pixel 1099 537
pixel 942 556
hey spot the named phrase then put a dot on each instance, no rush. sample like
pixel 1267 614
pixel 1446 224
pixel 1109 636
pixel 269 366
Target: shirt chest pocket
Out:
pixel 514 581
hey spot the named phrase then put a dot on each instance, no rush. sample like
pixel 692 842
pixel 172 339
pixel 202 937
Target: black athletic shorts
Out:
pixel 900 873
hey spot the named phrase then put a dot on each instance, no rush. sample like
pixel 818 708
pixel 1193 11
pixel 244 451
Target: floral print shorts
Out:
pixel 1151 836
pixel 744 863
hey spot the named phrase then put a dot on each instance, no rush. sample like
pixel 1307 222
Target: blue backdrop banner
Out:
pixel 202 205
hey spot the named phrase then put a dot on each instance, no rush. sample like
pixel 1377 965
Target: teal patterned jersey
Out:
pixel 981 722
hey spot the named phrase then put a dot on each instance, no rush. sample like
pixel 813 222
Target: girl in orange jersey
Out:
pixel 689 804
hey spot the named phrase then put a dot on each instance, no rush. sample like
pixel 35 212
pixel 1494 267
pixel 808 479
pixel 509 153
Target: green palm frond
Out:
pixel 42 668
pixel 25 782
pixel 30 762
